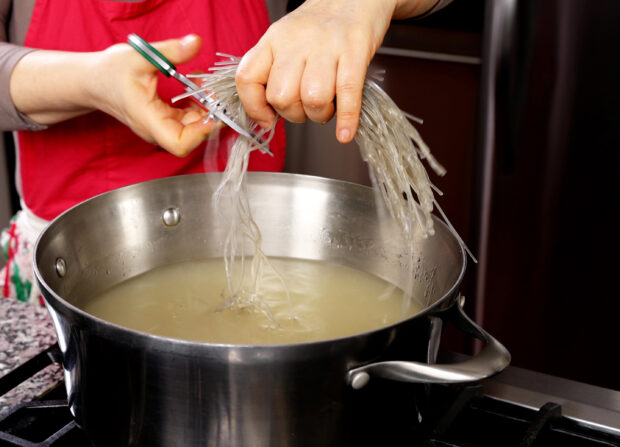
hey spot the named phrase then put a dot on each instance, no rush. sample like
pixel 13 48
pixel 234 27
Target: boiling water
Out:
pixel 183 301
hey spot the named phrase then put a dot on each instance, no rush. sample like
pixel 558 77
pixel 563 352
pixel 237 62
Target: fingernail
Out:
pixel 344 135
pixel 188 40
pixel 264 124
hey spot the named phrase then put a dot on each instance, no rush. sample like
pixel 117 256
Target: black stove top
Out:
pixel 444 416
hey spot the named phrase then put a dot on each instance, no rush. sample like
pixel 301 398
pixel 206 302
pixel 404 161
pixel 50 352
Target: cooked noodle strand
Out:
pixel 389 143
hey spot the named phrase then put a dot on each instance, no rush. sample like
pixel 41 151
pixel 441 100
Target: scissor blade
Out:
pixel 211 105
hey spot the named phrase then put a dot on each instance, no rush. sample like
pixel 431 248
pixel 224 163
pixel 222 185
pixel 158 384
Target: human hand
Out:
pixel 318 52
pixel 125 86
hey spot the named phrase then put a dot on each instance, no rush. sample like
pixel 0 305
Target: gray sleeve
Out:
pixel 10 117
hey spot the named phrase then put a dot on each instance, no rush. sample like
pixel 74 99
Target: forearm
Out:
pixel 52 86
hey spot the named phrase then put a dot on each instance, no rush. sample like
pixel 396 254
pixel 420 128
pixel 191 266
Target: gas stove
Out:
pixel 516 408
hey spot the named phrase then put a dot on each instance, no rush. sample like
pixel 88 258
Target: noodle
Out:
pixel 389 143
pixel 393 149
pixel 231 191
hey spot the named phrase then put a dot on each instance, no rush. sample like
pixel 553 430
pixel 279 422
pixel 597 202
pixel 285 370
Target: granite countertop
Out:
pixel 25 330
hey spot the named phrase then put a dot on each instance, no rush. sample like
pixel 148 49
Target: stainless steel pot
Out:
pixel 130 388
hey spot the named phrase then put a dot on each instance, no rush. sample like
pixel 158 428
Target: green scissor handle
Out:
pixel 152 55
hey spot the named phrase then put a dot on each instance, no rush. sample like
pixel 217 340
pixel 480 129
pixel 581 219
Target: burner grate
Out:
pixel 41 424
pixel 488 422
pixel 44 422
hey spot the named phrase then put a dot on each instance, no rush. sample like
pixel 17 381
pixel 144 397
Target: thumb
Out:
pixel 179 51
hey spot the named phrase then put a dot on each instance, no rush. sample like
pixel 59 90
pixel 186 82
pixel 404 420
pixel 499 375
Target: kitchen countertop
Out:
pixel 25 330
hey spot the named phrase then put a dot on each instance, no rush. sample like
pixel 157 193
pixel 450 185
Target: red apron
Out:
pixel 79 158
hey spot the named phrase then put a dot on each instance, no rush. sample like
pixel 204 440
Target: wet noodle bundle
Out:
pixel 388 142
pixel 393 149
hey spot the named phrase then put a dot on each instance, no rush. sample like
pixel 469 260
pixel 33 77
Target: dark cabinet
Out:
pixel 529 138
pixel 548 289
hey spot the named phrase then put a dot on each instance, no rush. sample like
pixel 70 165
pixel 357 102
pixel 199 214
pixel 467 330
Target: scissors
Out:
pixel 208 103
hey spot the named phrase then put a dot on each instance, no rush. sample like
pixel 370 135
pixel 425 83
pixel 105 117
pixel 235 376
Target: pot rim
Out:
pixel 137 338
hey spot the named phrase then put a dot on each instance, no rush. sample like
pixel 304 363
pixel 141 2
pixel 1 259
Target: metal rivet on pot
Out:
pixel 359 380
pixel 171 217
pixel 61 267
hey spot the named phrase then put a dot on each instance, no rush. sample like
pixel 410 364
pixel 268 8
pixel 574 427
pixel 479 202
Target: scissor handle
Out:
pixel 151 54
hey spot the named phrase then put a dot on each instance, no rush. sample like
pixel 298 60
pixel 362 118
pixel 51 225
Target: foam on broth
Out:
pixel 183 301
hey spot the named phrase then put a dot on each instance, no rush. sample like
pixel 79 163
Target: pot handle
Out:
pixel 493 358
